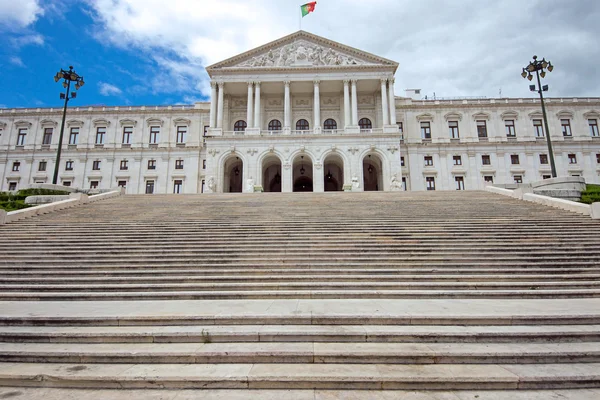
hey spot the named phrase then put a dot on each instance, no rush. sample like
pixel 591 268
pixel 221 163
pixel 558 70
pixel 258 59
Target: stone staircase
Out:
pixel 302 296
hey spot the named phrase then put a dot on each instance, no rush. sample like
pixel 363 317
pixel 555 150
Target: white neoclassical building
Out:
pixel 302 113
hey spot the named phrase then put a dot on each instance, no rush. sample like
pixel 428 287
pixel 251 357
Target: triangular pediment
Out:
pixel 302 50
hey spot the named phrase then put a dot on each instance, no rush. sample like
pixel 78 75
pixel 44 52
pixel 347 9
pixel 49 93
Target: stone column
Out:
pixel 317 108
pixel 257 105
pixel 347 121
pixel 384 103
pixel 213 104
pixel 392 101
pixel 220 106
pixel 250 113
pixel 286 106
pixel 354 104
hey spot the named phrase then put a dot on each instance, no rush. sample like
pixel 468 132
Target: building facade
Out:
pixel 302 113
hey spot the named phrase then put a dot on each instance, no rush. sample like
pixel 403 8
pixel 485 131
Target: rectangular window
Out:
pixel 400 127
pixel 593 127
pixel 514 159
pixel 178 164
pixel 154 132
pixel 538 128
pixel 47 139
pixel 572 159
pixel 430 180
pixel 42 166
pixel 127 133
pixel 518 178
pixel 100 132
pixel 426 130
pixel 566 127
pixel 122 184
pixel 597 158
pixel 509 124
pixel 460 182
pixel 488 179
pixel 12 186
pixel 482 129
pixel 151 164
pixel 457 160
pixel 544 159
pixel 21 137
pixel 203 186
pixel 66 183
pixel 402 161
pixel 203 164
pixel 404 183
pixel 93 184
pixel 546 176
pixel 124 165
pixel 485 160
pixel 69 166
pixel 16 166
pixel 149 187
pixel 73 136
pixel 96 166
pixel 181 132
pixel 177 186
pixel 428 161
pixel 453 128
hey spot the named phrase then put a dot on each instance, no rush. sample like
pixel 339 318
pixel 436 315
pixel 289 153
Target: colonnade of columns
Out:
pixel 253 116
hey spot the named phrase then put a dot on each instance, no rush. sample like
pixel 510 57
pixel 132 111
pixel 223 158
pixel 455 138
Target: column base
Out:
pixel 390 129
pixel 318 130
pixel 287 130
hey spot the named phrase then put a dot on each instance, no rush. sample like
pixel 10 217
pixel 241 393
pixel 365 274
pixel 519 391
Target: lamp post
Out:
pixel 68 77
pixel 540 67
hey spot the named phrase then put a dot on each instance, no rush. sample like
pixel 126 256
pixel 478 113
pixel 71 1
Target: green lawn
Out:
pixel 591 195
pixel 10 201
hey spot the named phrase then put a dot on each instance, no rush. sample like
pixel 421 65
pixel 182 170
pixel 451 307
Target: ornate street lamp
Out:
pixel 68 77
pixel 540 67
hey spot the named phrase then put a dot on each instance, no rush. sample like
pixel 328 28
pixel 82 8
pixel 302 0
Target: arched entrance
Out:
pixel 271 174
pixel 233 175
pixel 302 176
pixel 333 169
pixel 372 173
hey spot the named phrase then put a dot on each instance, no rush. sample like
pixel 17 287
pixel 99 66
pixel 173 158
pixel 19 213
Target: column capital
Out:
pixel 346 81
pixel 286 83
pixel 256 83
pixel 250 83
pixel 213 84
pixel 383 81
pixel 392 80
pixel 221 84
pixel 317 82
pixel 353 81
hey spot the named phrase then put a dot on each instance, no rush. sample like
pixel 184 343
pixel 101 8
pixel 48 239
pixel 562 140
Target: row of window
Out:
pixel 460 181
pixel 514 159
pixel 302 125
pixel 101 135
pixel 509 126
pixel 123 166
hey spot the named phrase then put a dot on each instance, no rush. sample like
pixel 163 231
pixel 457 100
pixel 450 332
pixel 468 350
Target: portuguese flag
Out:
pixel 308 8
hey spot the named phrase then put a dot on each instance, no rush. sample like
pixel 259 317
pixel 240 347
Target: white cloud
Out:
pixel 16 61
pixel 27 39
pixel 466 48
pixel 106 89
pixel 21 12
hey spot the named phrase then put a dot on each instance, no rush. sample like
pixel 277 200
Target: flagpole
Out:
pixel 300 19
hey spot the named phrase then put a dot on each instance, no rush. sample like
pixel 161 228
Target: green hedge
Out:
pixel 11 201
pixel 591 194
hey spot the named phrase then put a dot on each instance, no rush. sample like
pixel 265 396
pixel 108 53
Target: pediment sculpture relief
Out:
pixel 301 53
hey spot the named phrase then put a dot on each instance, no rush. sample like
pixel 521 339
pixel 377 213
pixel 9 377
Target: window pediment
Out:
pixel 75 122
pixel 48 122
pixel 128 122
pixel 453 116
pixel 23 124
pixel 481 116
pixel 591 114
pixel 155 121
pixel 536 115
pixel 425 117
pixel 181 121
pixel 101 122
pixel 564 114
pixel 509 115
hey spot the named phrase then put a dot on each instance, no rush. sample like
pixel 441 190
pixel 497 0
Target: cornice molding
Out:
pixel 453 116
pixel 22 123
pixel 127 121
pixel 101 122
pixel 591 114
pixel 509 115
pixel 155 121
pixel 182 121
pixel 425 117
pixel 48 122
pixel 75 122
pixel 562 114
pixel 481 116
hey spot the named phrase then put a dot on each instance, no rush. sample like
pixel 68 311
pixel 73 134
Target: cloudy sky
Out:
pixel 154 51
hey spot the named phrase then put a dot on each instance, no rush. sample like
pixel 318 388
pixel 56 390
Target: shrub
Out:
pixel 10 201
pixel 591 194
